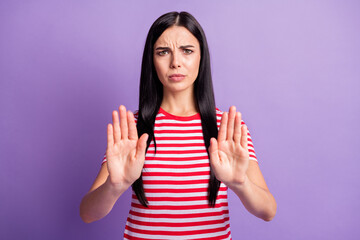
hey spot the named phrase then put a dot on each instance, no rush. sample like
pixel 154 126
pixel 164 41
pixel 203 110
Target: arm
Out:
pixel 229 158
pixel 100 199
pixel 255 195
pixel 125 156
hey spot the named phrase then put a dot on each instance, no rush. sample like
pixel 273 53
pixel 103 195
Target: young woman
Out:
pixel 179 152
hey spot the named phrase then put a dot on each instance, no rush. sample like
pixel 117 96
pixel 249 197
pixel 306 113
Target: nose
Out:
pixel 175 61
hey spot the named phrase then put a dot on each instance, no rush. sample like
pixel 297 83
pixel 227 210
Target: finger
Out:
pixel 237 131
pixel 230 123
pixel 110 136
pixel 223 126
pixel 141 147
pixel 214 152
pixel 123 122
pixel 132 127
pixel 116 129
pixel 244 136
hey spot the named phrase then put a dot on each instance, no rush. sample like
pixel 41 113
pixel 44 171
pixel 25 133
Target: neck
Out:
pixel 180 104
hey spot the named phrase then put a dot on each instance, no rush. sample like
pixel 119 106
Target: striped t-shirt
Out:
pixel 176 181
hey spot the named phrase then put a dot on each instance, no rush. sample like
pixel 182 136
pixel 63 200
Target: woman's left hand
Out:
pixel 229 155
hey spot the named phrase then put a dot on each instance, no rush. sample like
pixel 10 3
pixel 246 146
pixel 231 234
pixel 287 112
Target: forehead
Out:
pixel 177 35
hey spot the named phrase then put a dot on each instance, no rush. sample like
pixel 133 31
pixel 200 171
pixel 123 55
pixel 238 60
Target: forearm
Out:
pixel 256 200
pixel 99 202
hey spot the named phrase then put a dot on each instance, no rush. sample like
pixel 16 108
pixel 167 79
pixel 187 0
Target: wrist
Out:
pixel 116 188
pixel 239 185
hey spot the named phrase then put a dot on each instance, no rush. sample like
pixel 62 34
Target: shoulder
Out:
pixel 219 114
pixel 218 111
pixel 136 114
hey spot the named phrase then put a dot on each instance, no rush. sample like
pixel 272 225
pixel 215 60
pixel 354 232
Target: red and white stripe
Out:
pixel 176 185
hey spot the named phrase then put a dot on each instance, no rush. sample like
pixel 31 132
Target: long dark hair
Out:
pixel 151 92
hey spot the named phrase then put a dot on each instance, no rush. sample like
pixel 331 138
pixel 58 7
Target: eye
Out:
pixel 188 51
pixel 162 52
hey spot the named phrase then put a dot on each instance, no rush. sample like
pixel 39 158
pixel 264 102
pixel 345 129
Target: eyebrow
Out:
pixel 166 48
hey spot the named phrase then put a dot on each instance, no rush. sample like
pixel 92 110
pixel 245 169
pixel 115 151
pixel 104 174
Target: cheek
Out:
pixel 161 63
pixel 159 68
pixel 194 65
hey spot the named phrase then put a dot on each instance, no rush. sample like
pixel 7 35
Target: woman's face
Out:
pixel 177 51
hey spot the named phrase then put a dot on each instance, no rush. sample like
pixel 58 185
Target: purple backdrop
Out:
pixel 290 67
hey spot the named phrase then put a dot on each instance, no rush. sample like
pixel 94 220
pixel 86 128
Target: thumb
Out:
pixel 214 152
pixel 141 147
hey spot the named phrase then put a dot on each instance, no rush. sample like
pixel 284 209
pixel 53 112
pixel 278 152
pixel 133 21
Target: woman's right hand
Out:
pixel 125 153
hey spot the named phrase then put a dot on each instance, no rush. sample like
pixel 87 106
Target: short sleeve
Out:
pixel 252 155
pixel 136 114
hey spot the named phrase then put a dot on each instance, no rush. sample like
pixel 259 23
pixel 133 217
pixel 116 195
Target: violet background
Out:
pixel 290 67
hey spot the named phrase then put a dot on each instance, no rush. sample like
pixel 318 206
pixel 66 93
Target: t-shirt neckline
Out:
pixel 195 116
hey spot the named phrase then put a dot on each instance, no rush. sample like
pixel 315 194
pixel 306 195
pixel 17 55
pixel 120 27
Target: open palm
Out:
pixel 229 155
pixel 125 153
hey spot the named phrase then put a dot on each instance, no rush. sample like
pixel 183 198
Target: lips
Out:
pixel 177 77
